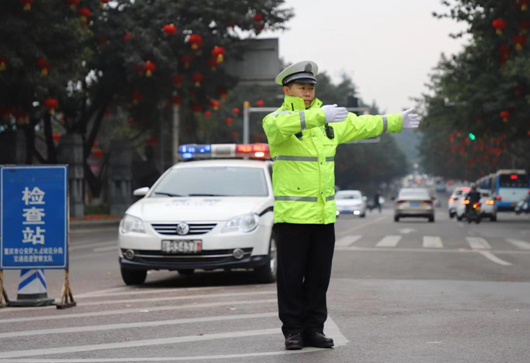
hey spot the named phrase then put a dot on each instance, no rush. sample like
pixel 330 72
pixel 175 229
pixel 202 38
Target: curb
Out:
pixel 94 224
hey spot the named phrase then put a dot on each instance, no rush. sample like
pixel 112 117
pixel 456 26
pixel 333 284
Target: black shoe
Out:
pixel 294 341
pixel 317 339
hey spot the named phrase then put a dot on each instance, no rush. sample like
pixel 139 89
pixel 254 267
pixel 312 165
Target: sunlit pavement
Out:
pixel 401 292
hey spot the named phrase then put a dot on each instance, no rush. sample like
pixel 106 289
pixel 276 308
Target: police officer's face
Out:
pixel 306 91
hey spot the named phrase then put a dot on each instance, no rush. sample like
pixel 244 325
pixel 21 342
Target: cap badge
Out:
pixel 308 68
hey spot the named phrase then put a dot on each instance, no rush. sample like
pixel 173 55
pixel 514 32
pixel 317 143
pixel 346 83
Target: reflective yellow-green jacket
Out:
pixel 303 175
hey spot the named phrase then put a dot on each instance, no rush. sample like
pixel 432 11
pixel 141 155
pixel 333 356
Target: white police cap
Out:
pixel 302 72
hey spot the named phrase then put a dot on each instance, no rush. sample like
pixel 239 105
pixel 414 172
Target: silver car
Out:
pixel 350 202
pixel 414 202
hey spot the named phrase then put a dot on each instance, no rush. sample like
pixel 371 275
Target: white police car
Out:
pixel 203 214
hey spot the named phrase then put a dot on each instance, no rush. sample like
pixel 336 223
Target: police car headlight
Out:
pixel 131 224
pixel 246 223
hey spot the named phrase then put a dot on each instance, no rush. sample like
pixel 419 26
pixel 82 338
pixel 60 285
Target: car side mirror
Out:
pixel 141 192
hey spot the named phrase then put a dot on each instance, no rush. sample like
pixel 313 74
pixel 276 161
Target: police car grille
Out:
pixel 195 228
pixel 203 257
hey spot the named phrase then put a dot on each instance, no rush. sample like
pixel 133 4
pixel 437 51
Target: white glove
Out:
pixel 334 113
pixel 410 120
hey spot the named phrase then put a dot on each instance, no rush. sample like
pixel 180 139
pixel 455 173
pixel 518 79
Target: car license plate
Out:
pixel 414 204
pixel 347 211
pixel 181 246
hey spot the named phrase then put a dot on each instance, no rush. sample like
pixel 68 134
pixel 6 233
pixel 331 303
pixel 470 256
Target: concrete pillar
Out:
pixel 13 147
pixel 70 151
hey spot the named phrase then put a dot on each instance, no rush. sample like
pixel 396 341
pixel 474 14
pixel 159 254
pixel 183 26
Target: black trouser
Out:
pixel 305 253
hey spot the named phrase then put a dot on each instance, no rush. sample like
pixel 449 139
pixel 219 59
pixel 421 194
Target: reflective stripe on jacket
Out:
pixel 303 175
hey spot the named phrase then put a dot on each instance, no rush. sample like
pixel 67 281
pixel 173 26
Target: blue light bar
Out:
pixel 188 151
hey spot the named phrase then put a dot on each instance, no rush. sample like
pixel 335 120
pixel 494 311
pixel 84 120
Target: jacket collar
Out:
pixel 297 103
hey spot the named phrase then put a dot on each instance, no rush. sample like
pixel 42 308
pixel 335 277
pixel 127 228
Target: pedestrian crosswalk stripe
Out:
pixel 347 240
pixel 478 243
pixel 519 244
pixel 389 241
pixel 432 242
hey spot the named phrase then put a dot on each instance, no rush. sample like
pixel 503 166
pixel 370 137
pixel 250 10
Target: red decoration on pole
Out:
pixel 236 110
pixel 73 3
pixel 26 3
pixel 196 108
pixel 85 14
pixel 197 78
pixel 44 67
pixel 98 153
pixel 177 80
pixel 195 40
pixel 176 101
pixel 186 60
pixel 230 24
pixel 153 141
pixel 149 68
pixel 260 103
pixel 499 25
pixel 258 17
pixel 207 114
pixel 229 121
pixel 524 26
pixel 127 36
pixel 223 92
pixel 95 144
pixel 56 137
pixel 218 53
pixel 519 41
pixel 136 96
pixel 215 104
pixel 169 29
pixel 212 62
pixel 51 104
pixel 505 115
pixel 3 63
pixel 524 4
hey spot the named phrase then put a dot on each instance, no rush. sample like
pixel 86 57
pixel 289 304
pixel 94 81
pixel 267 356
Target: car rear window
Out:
pixel 213 182
pixel 420 193
pixel 348 195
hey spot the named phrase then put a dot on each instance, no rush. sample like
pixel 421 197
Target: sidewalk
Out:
pixel 95 221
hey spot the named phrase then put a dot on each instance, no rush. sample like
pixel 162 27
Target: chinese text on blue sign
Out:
pixel 33 217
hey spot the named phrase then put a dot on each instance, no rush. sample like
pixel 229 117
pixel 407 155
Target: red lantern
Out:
pixel 153 141
pixel 186 60
pixel 136 96
pixel 229 121
pixel 51 104
pixel 234 135
pixel 505 49
pixel 223 92
pixel 524 4
pixel 176 100
pixel 130 121
pixel 505 115
pixel 499 25
pixel 98 153
pixel 230 24
pixel 218 53
pixel 236 110
pixel 3 62
pixel 195 40
pixel 26 3
pixel 44 67
pixel 524 26
pixel 260 103
pixel 212 62
pixel 207 114
pixel 127 36
pixel 95 144
pixel 149 68
pixel 169 29
pixel 197 78
pixel 503 58
pixel 56 137
pixel 196 108
pixel 258 17
pixel 103 2
pixel 177 80
pixel 85 14
pixel 73 3
pixel 519 40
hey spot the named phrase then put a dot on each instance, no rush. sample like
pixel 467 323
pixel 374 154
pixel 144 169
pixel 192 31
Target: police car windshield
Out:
pixel 213 182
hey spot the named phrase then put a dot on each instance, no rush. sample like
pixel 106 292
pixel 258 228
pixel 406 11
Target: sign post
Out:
pixel 34 222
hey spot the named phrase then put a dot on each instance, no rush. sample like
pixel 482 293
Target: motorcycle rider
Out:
pixel 473 196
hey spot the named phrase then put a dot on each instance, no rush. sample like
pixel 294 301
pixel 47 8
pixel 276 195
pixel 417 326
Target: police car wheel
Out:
pixel 133 277
pixel 267 273
pixel 185 272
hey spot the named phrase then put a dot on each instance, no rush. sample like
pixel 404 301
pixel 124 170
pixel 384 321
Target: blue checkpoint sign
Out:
pixel 33 217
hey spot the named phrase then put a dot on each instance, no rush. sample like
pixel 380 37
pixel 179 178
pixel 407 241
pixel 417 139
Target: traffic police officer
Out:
pixel 303 136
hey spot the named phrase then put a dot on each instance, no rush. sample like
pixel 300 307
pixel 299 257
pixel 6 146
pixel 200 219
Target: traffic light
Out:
pixel 472 136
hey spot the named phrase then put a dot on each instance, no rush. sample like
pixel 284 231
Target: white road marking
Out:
pixel 332 330
pixel 478 243
pixel 494 258
pixel 406 230
pixel 86 246
pixel 171 298
pixel 137 310
pixel 432 242
pixel 142 291
pixel 389 241
pixel 348 231
pixel 84 329
pixel 519 244
pixel 106 249
pixel 347 240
